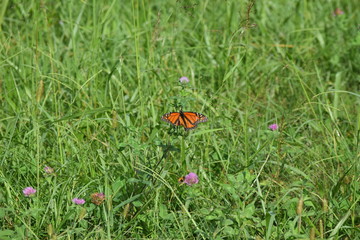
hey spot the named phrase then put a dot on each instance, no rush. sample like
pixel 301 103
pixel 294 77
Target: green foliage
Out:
pixel 83 85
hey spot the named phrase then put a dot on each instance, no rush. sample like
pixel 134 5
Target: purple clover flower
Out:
pixel 273 127
pixel 48 170
pixel 78 201
pixel 338 12
pixel 184 80
pixel 29 191
pixel 97 198
pixel 191 179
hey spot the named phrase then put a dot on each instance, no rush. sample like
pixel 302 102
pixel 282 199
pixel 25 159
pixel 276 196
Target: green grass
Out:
pixel 83 85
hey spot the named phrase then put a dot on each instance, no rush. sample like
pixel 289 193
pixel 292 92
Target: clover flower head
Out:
pixel 78 201
pixel 338 12
pixel 48 170
pixel 273 127
pixel 97 198
pixel 191 179
pixel 29 191
pixel 184 80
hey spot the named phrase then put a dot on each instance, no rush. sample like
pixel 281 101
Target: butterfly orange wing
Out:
pixel 195 117
pixel 186 123
pixel 172 118
pixel 188 120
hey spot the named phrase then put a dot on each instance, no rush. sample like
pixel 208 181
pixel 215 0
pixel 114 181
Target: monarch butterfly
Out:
pixel 188 120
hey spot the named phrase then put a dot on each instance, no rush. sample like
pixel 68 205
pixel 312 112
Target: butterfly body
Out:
pixel 189 120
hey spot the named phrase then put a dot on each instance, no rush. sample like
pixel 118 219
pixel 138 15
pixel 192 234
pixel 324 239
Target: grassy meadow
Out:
pixel 83 87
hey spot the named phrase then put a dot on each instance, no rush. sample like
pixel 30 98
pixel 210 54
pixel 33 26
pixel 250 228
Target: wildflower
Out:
pixel 184 80
pixel 29 191
pixel 273 127
pixel 338 12
pixel 191 179
pixel 97 198
pixel 78 201
pixel 48 170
